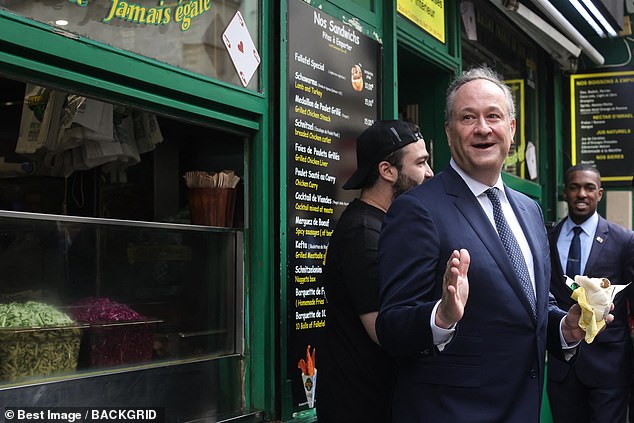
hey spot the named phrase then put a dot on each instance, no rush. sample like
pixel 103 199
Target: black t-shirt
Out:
pixel 355 375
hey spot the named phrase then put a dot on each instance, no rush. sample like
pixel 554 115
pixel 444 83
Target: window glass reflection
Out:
pixel 185 33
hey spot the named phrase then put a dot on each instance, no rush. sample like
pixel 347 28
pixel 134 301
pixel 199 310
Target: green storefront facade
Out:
pixel 231 304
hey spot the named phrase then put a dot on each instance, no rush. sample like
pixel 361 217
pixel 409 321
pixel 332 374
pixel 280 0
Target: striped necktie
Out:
pixel 511 246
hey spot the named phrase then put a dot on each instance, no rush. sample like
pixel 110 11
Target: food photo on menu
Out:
pixel 356 78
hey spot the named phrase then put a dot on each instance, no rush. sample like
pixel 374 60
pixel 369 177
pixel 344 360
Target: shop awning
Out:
pixel 567 28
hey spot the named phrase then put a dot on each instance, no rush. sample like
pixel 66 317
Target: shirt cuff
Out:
pixel 441 336
pixel 569 350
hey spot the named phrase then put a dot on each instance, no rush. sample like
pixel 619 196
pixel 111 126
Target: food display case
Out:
pixel 111 234
pixel 184 281
pixel 180 280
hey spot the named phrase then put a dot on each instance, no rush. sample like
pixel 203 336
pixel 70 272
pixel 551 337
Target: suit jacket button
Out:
pixel 532 374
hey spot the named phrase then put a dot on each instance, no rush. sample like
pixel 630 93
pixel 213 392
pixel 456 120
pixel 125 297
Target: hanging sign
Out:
pixel 427 14
pixel 601 117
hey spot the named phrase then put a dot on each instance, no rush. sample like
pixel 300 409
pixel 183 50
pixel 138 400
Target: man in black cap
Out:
pixel 355 374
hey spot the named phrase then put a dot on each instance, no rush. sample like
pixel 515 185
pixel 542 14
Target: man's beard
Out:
pixel 403 183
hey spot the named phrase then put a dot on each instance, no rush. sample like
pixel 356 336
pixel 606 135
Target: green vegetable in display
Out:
pixel 36 339
pixel 31 314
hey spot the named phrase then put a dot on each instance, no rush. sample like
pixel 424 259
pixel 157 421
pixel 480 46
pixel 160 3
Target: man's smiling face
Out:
pixel 480 131
pixel 582 193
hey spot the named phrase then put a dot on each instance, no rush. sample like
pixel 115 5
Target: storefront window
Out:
pixel 185 33
pixel 108 216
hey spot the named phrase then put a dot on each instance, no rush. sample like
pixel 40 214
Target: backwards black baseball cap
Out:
pixel 377 142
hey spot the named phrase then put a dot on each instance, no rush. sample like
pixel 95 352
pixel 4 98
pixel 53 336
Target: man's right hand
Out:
pixel 455 289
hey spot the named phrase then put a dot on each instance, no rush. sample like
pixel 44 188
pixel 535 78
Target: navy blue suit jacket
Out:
pixel 492 370
pixel 607 362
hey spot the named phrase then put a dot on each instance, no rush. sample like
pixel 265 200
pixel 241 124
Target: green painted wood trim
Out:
pixel 372 17
pixel 446 55
pixel 440 148
pixel 442 58
pixel 454 30
pixel 441 152
pixel 284 383
pixel 542 142
pixel 545 415
pixel 447 58
pixel 389 59
pixel 260 317
pixel 529 188
pixel 34 71
pixel 261 296
pixel 556 182
pixel 550 150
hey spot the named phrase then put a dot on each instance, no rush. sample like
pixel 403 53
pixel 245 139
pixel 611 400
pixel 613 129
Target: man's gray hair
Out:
pixel 483 72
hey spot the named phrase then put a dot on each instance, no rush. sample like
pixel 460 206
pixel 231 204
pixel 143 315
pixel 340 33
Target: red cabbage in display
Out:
pixel 93 310
pixel 128 338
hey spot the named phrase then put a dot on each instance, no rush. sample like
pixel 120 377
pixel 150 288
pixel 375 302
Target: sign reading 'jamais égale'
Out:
pixel 161 13
pixel 332 96
pixel 601 108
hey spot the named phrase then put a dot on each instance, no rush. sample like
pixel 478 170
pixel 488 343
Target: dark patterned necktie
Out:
pixel 573 265
pixel 511 246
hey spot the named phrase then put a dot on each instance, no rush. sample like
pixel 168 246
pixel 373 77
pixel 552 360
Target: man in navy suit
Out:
pixel 594 387
pixel 470 349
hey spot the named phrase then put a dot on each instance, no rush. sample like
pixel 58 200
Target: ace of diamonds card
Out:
pixel 241 49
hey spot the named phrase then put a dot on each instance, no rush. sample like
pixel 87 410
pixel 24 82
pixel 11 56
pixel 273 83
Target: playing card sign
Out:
pixel 241 48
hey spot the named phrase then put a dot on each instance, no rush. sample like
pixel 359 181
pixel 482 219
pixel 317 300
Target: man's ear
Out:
pixel 387 171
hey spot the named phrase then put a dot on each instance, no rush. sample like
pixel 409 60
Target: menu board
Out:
pixel 332 96
pixel 602 107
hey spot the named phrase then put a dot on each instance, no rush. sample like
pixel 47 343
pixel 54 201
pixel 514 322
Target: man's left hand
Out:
pixel 570 326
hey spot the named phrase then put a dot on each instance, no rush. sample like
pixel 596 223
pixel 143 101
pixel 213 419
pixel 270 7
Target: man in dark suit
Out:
pixel 391 158
pixel 595 386
pixel 470 350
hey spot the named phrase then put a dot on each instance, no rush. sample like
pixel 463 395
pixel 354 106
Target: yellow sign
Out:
pixel 428 14
pixel 517 154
